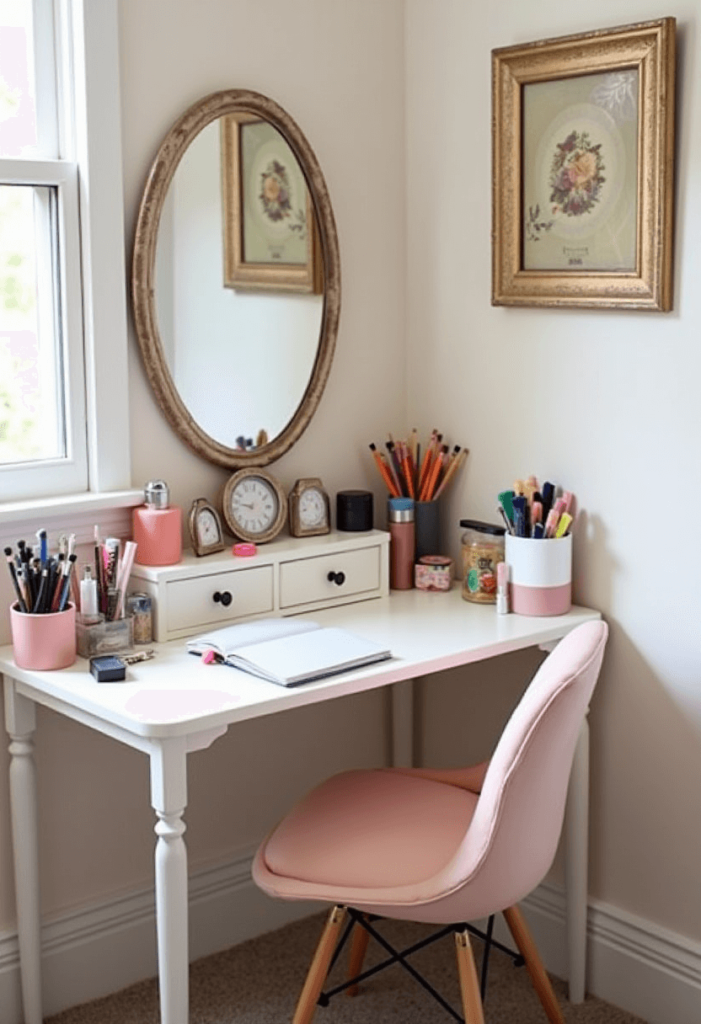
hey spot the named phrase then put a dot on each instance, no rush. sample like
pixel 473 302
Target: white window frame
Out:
pixel 89 68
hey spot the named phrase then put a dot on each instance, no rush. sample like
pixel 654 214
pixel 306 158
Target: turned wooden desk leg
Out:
pixel 20 719
pixel 169 799
pixel 402 712
pixel 576 862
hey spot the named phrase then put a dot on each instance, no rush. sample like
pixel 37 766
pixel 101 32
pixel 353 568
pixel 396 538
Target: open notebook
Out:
pixel 288 651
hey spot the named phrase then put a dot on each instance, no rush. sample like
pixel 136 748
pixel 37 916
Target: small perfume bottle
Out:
pixel 157 527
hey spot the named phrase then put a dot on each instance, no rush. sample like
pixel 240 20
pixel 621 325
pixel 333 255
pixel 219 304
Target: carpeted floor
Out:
pixel 259 982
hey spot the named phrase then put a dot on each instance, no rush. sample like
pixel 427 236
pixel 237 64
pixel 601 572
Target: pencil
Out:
pixel 428 457
pixel 414 444
pixel 384 472
pixel 452 469
pixel 15 582
pixel 404 456
pixel 393 465
pixel 435 471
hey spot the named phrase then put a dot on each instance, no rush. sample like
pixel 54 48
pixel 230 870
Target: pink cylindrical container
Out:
pixel 43 642
pixel 157 527
pixel 400 513
pixel 540 575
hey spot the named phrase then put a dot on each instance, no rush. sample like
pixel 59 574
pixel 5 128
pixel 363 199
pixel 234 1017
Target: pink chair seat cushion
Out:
pixel 369 830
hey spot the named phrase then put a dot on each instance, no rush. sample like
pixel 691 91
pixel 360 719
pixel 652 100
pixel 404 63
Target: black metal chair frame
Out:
pixel 399 957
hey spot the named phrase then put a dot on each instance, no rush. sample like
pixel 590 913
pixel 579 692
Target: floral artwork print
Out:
pixel 275 192
pixel 575 176
pixel 275 198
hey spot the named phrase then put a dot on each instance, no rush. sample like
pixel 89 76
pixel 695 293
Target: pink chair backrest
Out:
pixel 511 841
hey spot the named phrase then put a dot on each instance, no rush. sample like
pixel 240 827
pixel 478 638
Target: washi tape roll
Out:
pixel 245 549
pixel 433 572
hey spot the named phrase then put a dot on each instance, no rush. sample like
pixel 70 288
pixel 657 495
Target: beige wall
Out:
pixel 338 69
pixel 607 403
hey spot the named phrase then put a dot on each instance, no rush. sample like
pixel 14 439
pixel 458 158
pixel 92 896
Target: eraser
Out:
pixel 108 669
pixel 245 549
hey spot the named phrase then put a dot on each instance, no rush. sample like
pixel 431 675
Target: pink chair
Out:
pixel 443 846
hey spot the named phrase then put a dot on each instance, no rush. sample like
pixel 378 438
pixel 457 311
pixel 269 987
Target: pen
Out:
pixel 564 524
pixel 520 523
pixel 41 593
pixel 506 499
pixel 43 539
pixel 507 521
pixel 15 581
pixel 548 493
pixel 66 588
pixel 551 523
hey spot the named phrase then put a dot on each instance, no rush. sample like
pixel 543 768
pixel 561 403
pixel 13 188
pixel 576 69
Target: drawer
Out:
pixel 190 602
pixel 306 580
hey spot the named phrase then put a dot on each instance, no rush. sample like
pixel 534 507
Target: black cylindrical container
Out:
pixel 426 514
pixel 354 511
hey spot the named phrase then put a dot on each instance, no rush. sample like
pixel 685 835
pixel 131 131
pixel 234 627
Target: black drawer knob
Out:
pixel 224 597
pixel 339 578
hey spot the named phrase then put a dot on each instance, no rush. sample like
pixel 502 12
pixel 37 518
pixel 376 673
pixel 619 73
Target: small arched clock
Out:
pixel 205 528
pixel 254 505
pixel 309 508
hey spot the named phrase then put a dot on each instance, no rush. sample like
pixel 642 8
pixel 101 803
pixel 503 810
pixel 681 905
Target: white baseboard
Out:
pixel 632 963
pixel 93 951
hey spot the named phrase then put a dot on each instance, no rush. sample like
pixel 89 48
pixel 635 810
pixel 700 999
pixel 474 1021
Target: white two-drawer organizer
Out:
pixel 286 577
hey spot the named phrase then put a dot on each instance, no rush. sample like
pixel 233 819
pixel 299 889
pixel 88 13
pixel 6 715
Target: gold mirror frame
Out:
pixel 176 142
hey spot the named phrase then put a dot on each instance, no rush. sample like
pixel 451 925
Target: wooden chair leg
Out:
pixel 527 947
pixel 469 983
pixel 319 967
pixel 359 945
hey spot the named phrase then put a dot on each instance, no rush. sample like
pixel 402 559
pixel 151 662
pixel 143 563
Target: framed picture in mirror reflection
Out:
pixel 270 236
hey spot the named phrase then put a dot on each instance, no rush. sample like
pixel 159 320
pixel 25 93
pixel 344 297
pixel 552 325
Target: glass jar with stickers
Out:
pixel 482 550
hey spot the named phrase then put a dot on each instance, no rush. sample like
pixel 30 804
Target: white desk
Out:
pixel 175 704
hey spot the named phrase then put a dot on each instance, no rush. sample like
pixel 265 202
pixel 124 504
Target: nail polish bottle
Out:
pixel 157 527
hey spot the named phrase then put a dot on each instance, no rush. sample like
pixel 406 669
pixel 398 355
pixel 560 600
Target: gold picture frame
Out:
pixel 268 244
pixel 583 169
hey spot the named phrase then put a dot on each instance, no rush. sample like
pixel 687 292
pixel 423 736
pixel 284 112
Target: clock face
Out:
pixel 312 508
pixel 254 505
pixel 207 528
pixel 309 508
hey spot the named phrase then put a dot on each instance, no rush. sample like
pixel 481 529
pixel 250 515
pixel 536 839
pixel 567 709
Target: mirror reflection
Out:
pixel 238 281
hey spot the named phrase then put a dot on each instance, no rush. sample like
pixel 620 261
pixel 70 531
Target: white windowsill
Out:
pixel 68 504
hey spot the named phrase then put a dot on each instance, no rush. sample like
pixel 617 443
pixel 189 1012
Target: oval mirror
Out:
pixel 236 279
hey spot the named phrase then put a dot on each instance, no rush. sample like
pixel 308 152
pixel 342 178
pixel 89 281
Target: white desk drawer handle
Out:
pixel 223 596
pixel 339 578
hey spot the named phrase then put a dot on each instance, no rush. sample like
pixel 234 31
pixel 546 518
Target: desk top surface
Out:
pixel 176 695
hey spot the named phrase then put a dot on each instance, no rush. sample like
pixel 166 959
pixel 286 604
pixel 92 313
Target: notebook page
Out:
pixel 242 634
pixel 292 659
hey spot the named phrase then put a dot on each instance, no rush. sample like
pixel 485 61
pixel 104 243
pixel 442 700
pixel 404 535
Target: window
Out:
pixel 62 297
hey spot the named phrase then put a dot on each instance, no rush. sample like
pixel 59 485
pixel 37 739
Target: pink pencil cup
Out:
pixel 540 575
pixel 43 642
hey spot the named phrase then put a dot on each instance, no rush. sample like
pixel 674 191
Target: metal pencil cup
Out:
pixel 427 525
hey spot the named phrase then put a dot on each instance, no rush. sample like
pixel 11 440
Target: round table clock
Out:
pixel 205 528
pixel 309 508
pixel 254 505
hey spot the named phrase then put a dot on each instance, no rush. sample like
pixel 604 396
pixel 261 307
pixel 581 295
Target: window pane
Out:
pixel 31 384
pixel 18 120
